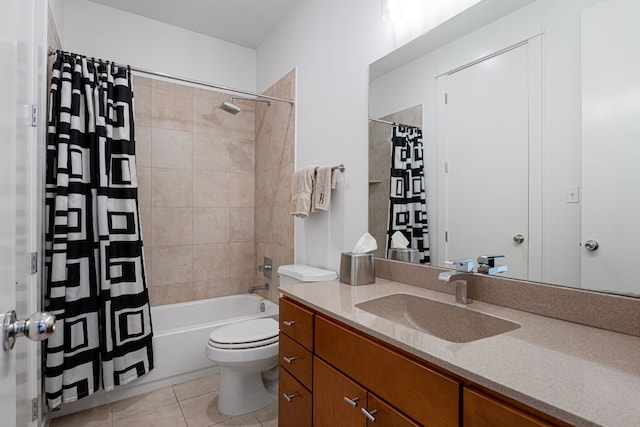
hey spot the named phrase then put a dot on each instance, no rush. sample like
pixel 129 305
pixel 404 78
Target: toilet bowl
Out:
pixel 246 352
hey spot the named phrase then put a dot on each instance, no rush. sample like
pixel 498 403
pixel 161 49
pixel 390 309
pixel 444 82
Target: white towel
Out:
pixel 322 190
pixel 302 183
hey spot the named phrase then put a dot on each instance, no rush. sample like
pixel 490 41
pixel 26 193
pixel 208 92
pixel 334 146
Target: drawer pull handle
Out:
pixel 290 359
pixel 289 397
pixel 370 415
pixel 353 402
pixel 289 322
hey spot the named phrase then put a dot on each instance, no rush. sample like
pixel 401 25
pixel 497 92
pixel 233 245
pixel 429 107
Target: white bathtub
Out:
pixel 180 334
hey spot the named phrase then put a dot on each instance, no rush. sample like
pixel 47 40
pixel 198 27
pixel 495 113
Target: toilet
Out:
pixel 247 352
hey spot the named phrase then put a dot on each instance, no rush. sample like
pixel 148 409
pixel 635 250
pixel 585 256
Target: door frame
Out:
pixel 534 44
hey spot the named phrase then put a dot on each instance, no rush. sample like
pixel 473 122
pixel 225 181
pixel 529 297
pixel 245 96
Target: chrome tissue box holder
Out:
pixel 357 269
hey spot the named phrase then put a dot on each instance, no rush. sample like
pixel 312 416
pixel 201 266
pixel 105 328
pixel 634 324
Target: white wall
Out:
pixel 560 22
pixel 95 30
pixel 331 43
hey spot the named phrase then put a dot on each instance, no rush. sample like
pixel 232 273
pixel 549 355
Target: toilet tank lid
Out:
pixel 306 273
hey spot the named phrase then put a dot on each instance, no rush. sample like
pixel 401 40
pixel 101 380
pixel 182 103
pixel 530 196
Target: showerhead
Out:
pixel 230 107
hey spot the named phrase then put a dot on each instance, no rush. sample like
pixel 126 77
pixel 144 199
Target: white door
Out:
pixel 487 160
pixel 611 145
pixel 22 27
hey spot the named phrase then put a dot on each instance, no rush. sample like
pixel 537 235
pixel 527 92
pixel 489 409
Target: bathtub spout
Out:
pixel 264 287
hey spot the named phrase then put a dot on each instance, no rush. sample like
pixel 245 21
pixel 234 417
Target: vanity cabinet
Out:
pixel 330 372
pixel 295 403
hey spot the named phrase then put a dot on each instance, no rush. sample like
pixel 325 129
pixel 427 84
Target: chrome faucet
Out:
pixel 487 265
pixel 264 287
pixel 463 270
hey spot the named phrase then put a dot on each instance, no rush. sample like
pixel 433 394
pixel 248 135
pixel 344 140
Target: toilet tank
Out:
pixel 300 273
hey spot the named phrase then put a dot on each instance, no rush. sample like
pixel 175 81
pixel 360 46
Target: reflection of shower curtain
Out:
pixel 93 246
pixel 408 198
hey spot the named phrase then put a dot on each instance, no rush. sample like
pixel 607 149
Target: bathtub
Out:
pixel 180 334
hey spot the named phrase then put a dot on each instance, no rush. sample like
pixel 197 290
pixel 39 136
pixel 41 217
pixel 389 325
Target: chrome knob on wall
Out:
pixel 37 327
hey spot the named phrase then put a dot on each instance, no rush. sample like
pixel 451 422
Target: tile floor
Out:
pixel 190 404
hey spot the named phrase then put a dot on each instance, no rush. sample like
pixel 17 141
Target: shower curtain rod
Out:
pixel 182 79
pixel 393 123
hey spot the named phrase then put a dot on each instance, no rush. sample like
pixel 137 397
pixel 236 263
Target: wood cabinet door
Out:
pixel 481 410
pixel 294 402
pixel 386 415
pixel 330 388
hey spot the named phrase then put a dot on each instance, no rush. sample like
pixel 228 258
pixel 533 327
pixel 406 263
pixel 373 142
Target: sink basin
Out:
pixel 442 320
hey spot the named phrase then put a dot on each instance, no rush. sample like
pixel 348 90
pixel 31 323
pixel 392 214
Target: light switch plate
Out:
pixel 573 194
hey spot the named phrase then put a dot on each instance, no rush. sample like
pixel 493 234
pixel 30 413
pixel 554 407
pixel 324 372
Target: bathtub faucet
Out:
pixel 264 287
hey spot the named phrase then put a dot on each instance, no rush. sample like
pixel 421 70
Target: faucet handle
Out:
pixel 463 265
pixel 489 260
pixel 487 264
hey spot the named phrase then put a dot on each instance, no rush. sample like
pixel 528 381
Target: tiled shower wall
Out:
pixel 275 132
pixel 196 175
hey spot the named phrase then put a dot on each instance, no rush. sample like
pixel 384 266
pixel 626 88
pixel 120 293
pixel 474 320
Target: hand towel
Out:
pixel 302 182
pixel 322 191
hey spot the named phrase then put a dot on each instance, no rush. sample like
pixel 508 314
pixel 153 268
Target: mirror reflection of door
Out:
pixel 610 150
pixel 487 160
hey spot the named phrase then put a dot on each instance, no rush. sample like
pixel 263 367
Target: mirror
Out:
pixel 578 78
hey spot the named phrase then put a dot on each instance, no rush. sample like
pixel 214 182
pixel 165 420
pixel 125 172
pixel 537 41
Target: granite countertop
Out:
pixel 579 374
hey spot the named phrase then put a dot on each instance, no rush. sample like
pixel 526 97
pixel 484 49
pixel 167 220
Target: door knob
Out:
pixel 37 327
pixel 518 238
pixel 591 245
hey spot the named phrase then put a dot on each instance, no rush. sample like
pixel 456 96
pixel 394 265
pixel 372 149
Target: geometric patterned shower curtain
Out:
pixel 408 197
pixel 95 276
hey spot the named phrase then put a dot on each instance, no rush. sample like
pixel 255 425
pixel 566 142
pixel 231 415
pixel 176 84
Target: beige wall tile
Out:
pixel 210 225
pixel 242 259
pixel 172 106
pixel 210 262
pixel 263 232
pixel 172 226
pixel 282 224
pixel 146 225
pixel 171 149
pixel 171 187
pixel 210 189
pixel 143 175
pixel 143 146
pixel 211 153
pixel 142 104
pixel 172 265
pixel 241 189
pixel 242 156
pixel 241 224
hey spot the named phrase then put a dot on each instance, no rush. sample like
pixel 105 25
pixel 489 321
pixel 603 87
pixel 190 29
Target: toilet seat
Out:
pixel 247 334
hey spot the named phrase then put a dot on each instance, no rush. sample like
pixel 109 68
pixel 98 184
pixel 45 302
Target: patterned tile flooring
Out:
pixel 190 404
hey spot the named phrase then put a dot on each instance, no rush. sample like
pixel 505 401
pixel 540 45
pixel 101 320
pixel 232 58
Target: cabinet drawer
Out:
pixel 297 360
pixel 423 394
pixel 296 410
pixel 297 323
pixel 482 410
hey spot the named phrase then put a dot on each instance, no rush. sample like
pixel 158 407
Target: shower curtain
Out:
pixel 408 198
pixel 95 277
